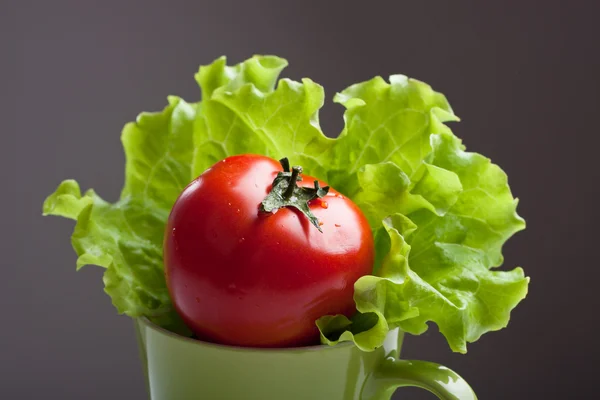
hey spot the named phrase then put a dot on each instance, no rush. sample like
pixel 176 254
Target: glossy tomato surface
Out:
pixel 243 277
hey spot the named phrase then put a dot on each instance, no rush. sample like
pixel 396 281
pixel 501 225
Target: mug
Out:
pixel 181 368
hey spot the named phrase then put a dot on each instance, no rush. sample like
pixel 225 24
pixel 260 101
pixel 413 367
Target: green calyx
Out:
pixel 286 193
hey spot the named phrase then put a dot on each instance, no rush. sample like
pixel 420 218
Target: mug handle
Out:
pixel 439 380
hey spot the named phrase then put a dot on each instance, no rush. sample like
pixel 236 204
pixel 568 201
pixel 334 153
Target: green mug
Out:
pixel 180 368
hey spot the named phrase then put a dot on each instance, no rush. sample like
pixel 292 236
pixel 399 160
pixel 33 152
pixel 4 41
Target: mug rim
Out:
pixel 319 347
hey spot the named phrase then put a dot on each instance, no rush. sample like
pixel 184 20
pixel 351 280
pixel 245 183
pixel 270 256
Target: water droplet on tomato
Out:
pixel 229 203
pixel 238 211
pixel 324 204
pixel 242 240
pixel 197 299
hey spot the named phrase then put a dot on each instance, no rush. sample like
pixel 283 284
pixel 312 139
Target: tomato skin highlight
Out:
pixel 239 276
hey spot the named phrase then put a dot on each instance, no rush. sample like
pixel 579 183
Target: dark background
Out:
pixel 522 75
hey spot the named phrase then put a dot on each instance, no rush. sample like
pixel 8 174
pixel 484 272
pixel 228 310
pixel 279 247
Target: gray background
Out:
pixel 523 75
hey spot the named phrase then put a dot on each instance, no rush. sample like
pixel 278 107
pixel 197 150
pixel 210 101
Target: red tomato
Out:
pixel 240 276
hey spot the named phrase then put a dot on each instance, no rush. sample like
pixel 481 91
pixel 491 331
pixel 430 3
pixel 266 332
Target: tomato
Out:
pixel 241 276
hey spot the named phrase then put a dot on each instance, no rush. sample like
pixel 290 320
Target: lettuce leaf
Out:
pixel 439 214
pixel 243 112
pixel 126 237
pixel 396 156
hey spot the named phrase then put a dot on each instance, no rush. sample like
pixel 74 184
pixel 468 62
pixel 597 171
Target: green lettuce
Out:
pixel 439 214
pixel 126 237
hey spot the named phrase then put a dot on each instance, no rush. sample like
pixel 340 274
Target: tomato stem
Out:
pixel 296 171
pixel 286 193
